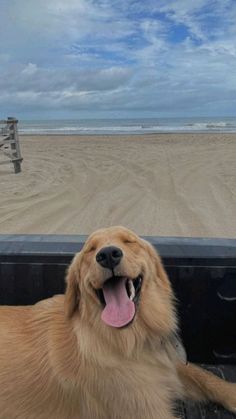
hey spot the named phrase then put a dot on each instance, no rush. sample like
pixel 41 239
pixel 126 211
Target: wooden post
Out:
pixel 12 139
pixel 15 146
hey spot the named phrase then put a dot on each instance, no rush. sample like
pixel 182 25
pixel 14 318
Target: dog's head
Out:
pixel 118 282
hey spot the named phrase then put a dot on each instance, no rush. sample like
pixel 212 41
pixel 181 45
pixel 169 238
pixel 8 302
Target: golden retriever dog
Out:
pixel 105 350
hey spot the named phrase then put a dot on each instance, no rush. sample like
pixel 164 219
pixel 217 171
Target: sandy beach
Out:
pixel 162 184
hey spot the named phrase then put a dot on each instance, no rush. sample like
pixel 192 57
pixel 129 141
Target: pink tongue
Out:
pixel 119 310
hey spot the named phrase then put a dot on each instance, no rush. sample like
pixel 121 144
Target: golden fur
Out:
pixel 58 360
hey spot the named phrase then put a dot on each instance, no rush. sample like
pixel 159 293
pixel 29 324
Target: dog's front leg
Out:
pixel 201 385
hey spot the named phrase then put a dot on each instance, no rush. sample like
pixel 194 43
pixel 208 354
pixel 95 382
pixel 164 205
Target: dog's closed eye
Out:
pixel 90 249
pixel 129 241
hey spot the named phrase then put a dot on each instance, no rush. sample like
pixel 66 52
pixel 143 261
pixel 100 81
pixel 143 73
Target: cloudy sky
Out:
pixel 117 58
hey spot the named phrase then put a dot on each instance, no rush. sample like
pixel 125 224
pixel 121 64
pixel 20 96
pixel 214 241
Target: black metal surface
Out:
pixel 207 310
pixel 169 247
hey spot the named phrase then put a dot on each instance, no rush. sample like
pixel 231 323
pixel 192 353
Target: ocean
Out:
pixel 127 126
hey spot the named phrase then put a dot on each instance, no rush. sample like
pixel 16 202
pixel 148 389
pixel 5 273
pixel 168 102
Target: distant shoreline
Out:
pixel 141 134
pixel 134 126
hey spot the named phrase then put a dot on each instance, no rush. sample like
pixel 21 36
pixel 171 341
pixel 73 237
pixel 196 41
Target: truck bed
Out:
pixel 203 275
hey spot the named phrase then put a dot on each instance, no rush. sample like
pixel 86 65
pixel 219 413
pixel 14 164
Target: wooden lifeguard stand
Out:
pixel 9 143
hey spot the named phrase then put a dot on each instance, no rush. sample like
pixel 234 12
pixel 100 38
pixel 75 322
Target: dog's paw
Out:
pixel 230 399
pixel 231 409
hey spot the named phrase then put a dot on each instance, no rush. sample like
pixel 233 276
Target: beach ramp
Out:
pixel 9 144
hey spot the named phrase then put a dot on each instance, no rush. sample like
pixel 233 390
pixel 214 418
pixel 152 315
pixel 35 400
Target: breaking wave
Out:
pixel 92 127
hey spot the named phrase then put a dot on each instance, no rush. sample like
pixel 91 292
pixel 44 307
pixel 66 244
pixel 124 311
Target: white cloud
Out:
pixel 32 78
pixel 30 69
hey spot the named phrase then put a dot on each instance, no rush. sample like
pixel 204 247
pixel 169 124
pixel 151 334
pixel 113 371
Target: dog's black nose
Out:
pixel 109 257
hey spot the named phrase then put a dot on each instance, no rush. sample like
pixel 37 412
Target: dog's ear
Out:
pixel 72 295
pixel 160 270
